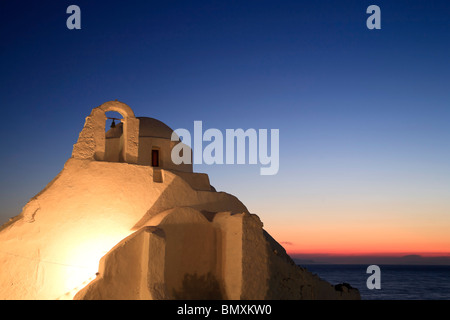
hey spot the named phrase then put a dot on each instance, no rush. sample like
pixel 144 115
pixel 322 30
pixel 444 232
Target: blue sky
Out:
pixel 363 114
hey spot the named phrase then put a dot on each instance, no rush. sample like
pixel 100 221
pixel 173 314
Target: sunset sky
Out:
pixel 363 115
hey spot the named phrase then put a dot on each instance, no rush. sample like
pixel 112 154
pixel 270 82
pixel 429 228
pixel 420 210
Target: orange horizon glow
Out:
pixel 363 249
pixel 367 254
pixel 362 240
pixel 369 220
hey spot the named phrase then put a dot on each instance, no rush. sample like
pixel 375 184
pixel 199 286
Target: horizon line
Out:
pixel 425 254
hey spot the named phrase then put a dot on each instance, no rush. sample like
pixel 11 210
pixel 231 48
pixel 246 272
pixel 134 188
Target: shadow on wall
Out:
pixel 193 259
pixel 177 193
pixel 196 287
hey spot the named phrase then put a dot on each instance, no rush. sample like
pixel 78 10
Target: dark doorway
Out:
pixel 155 158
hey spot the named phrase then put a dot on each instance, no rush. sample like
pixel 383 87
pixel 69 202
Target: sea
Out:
pixel 398 282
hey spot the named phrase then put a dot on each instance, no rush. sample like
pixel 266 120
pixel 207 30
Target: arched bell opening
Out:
pixel 114 138
pixel 125 147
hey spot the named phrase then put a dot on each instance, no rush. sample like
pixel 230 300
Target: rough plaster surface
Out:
pixel 159 240
pixel 110 230
pixel 79 216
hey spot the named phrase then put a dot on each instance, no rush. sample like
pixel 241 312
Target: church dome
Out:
pixel 148 127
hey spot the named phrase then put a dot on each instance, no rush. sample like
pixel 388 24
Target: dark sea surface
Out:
pixel 398 282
